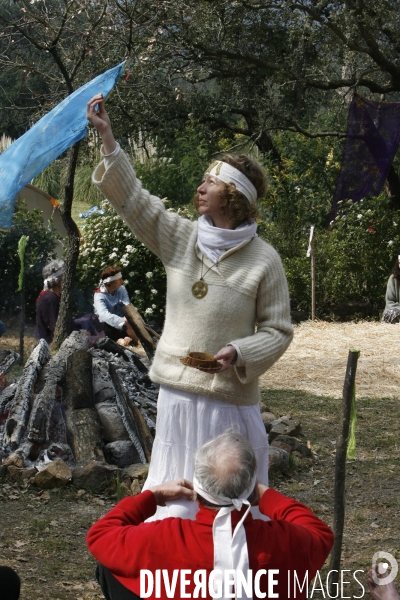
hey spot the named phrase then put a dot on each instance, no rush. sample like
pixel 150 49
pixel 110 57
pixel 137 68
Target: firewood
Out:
pixel 139 327
pixel 84 433
pixel 135 425
pixel 78 384
pixel 8 358
pixel 19 410
pixel 38 426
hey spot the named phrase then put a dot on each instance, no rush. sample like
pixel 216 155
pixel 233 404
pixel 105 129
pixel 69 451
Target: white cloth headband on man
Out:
pixel 111 278
pixel 229 174
pixel 230 551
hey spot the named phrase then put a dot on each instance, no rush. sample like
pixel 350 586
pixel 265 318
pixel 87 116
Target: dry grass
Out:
pixel 315 362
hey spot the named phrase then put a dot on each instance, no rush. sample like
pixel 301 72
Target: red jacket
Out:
pixel 293 540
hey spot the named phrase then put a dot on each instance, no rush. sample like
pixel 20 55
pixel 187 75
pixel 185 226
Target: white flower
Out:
pixel 395 224
pixel 149 274
pixel 153 291
pixel 129 248
pixel 369 210
pixel 154 306
pixel 113 255
pixel 148 311
pixel 359 216
pixel 161 310
pixel 298 189
pixel 131 274
pixel 137 291
pixel 126 281
pixel 115 249
pixel 390 243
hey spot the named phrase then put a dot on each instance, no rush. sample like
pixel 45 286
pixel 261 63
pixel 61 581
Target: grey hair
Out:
pixel 53 272
pixel 226 465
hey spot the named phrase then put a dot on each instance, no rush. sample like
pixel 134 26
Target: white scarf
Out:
pixel 230 551
pixel 214 241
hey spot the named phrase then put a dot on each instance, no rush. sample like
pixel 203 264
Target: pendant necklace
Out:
pixel 200 288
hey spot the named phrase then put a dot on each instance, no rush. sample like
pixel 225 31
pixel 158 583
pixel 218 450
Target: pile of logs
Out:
pixel 82 404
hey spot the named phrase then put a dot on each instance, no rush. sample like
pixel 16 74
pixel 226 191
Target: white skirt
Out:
pixel 186 421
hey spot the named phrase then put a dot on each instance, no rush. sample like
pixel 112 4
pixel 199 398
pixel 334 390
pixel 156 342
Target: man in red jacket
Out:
pixel 224 551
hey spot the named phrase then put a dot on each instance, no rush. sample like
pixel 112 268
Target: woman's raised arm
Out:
pixel 101 121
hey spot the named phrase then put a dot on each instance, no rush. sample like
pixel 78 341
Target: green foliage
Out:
pixel 359 252
pixel 39 250
pixel 177 169
pixel 52 179
pixel 354 258
pixel 106 241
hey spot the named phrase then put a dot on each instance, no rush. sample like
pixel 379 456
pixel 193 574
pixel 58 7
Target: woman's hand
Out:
pixel 101 121
pixel 226 356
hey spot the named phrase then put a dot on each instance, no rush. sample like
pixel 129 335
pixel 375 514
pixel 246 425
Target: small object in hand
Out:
pixel 204 361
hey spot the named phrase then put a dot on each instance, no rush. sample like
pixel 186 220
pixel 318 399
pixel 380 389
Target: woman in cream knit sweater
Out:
pixel 226 294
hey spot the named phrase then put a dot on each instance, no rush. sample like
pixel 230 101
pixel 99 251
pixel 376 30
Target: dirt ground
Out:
pixel 43 533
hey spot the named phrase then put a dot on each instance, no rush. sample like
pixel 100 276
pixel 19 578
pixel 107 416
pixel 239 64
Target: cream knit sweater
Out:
pixel 247 301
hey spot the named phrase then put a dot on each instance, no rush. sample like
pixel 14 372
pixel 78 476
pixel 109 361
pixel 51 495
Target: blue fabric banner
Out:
pixel 54 133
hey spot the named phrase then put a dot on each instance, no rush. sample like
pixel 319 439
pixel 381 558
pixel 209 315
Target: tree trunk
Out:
pixel 63 325
pixel 39 421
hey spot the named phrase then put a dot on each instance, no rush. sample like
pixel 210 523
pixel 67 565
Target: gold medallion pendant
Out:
pixel 199 289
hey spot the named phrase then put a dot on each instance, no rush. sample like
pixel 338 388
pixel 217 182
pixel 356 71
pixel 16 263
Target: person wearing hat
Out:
pixel 109 301
pixel 223 538
pixel 48 301
pixel 227 295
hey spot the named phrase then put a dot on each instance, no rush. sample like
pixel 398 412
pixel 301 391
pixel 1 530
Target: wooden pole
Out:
pixel 310 253
pixel 22 323
pixel 340 466
pixel 312 281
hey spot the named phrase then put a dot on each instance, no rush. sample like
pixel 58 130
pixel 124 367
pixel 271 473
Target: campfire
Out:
pixel 84 409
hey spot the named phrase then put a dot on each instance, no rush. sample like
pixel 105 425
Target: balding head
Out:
pixel 226 465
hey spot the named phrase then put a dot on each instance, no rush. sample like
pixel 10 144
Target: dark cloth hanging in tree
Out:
pixel 372 139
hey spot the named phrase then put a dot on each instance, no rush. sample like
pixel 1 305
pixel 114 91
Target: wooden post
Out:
pixel 310 253
pixel 22 323
pixel 340 466
pixel 312 281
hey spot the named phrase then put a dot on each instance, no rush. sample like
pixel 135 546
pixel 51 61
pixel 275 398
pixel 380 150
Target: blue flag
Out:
pixel 62 127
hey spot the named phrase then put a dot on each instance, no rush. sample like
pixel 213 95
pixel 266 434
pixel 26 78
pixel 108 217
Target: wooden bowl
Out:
pixel 201 360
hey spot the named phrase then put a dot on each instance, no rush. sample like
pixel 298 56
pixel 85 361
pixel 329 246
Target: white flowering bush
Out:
pixel 107 240
pixel 359 251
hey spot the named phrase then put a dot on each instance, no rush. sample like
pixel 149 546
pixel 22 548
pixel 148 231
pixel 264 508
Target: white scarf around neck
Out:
pixel 214 241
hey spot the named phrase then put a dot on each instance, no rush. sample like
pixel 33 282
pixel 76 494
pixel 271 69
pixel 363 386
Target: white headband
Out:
pixel 111 278
pixel 230 551
pixel 53 276
pixel 229 174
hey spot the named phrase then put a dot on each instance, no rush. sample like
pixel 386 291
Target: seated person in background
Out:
pixel 392 308
pixel 48 301
pixel 225 482
pixel 109 301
